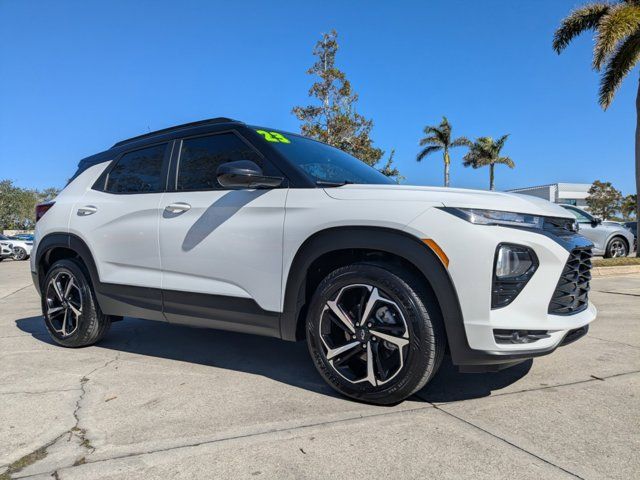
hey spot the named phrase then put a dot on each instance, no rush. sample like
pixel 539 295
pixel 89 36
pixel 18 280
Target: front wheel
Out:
pixel 374 333
pixel 19 254
pixel 71 313
pixel 617 248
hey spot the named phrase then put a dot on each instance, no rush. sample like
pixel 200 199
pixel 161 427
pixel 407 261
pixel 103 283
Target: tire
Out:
pixel 71 314
pixel 20 254
pixel 382 366
pixel 617 247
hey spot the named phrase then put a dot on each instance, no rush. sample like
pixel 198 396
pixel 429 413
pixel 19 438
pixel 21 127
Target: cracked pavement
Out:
pixel 160 401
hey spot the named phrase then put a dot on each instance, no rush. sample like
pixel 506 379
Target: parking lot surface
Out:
pixel 157 401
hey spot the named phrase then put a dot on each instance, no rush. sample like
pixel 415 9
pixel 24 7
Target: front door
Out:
pixel 221 249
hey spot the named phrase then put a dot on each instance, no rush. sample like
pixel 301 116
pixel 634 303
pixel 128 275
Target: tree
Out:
pixel 48 194
pixel 486 152
pixel 17 205
pixel 335 120
pixel 439 138
pixel 616 52
pixel 628 206
pixel 603 199
pixel 389 171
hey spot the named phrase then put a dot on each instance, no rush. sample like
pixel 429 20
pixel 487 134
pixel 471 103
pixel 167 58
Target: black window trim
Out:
pixel 101 183
pixel 172 180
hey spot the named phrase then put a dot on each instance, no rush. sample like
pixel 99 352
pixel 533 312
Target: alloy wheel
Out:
pixel 618 248
pixel 364 335
pixel 63 303
pixel 19 253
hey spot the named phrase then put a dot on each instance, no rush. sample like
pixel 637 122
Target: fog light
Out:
pixel 513 261
pixel 514 265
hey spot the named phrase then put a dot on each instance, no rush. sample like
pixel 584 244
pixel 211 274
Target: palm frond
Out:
pixel 621 62
pixel 430 130
pixel 428 150
pixel 475 158
pixel 505 161
pixel 445 128
pixel 621 21
pixel 461 142
pixel 500 143
pixel 578 21
pixel 431 140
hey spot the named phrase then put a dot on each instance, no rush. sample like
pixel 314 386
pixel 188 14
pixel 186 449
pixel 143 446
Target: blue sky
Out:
pixel 76 76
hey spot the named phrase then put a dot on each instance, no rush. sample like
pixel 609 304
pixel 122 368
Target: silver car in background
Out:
pixel 610 239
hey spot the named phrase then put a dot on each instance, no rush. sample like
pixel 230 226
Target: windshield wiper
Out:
pixel 327 183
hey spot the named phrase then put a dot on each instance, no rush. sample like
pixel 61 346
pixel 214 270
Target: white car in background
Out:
pixel 5 252
pixel 21 248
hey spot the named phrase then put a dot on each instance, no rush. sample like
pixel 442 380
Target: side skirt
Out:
pixel 187 308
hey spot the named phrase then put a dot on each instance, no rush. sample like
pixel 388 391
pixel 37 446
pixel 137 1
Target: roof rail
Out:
pixel 209 121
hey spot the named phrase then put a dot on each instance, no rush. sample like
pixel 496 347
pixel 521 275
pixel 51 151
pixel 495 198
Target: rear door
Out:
pixel 118 220
pixel 221 249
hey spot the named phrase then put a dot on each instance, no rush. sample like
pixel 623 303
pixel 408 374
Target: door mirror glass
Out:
pixel 245 174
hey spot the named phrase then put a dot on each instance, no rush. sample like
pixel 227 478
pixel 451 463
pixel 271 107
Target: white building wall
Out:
pixel 570 193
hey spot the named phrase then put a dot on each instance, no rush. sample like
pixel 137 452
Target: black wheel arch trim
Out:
pixel 387 240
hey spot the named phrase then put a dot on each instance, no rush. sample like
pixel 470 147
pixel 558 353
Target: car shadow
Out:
pixel 449 385
pixel 216 214
pixel 285 362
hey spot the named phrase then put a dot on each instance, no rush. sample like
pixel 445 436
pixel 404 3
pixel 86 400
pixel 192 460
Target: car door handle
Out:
pixel 87 210
pixel 177 207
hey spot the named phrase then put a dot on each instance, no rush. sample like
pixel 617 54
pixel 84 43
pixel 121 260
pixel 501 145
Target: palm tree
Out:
pixel 439 138
pixel 485 151
pixel 616 51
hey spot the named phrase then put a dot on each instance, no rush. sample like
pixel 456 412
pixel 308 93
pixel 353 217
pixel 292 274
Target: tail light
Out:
pixel 43 208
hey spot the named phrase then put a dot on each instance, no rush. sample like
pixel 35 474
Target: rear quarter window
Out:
pixel 139 171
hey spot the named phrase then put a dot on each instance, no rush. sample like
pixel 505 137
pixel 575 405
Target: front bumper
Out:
pixel 471 249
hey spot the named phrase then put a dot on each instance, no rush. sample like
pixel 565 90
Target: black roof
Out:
pixel 118 147
pixel 200 123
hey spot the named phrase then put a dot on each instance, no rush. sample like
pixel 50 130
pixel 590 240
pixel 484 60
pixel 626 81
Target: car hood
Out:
pixel 451 197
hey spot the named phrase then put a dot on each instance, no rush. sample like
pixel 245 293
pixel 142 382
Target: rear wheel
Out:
pixel 69 307
pixel 617 248
pixel 372 334
pixel 19 254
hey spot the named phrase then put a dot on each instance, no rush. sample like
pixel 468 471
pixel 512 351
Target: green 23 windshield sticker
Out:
pixel 273 137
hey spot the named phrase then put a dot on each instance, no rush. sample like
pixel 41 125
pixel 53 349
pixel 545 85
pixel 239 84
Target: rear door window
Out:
pixel 139 171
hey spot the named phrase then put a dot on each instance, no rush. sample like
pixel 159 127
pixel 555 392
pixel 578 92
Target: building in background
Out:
pixel 567 193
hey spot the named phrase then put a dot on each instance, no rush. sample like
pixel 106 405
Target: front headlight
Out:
pixel 497 217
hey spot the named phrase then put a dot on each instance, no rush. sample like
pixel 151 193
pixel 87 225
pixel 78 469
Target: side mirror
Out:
pixel 245 174
pixel 595 222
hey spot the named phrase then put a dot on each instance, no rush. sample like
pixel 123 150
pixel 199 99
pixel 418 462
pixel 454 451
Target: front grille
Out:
pixel 572 292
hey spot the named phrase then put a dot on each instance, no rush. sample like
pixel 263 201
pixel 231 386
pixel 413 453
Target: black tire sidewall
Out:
pixel 92 322
pixel 421 355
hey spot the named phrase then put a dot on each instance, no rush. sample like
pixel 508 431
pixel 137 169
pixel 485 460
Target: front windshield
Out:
pixel 582 217
pixel 325 164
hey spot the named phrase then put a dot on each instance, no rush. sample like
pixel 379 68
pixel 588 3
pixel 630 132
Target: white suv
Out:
pixel 224 225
